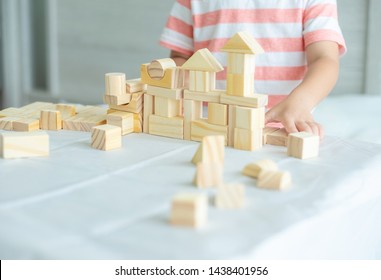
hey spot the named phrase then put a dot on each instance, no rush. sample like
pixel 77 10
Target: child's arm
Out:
pixel 295 111
pixel 179 58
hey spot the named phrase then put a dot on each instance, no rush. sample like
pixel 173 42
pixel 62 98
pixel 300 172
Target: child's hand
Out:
pixel 294 117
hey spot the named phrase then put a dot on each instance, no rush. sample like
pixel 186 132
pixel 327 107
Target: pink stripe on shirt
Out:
pixel 180 26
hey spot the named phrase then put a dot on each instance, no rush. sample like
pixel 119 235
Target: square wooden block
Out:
pixel 189 210
pixel 26 125
pixel 124 120
pixel 166 107
pixel 230 196
pixel 303 145
pixel 250 118
pixel 50 120
pixel 248 140
pixel 106 137
pixel 217 114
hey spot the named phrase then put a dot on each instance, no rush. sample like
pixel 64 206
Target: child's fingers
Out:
pixel 304 126
pixel 268 117
pixel 290 126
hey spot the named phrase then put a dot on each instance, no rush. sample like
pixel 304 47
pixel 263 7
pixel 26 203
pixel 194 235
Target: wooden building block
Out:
pixel 240 74
pixel 231 124
pixel 50 120
pixel 211 96
pixel 148 111
pixel 277 138
pixel 192 111
pixel 276 180
pixel 135 105
pixel 203 60
pixel 173 78
pixel 26 125
pixel 117 99
pixel 10 112
pixel 166 107
pixel 254 101
pixel 211 150
pixel 157 68
pixel 250 118
pixel 248 140
pixel 66 110
pixel 208 175
pixel 303 145
pixel 201 128
pixel 230 196
pixel 135 85
pixel 106 137
pixel 115 83
pixel 168 127
pixel 138 122
pixel 200 81
pixel 253 169
pixel 7 123
pixel 24 144
pixel 217 114
pixel 177 93
pixel 189 210
pixel 86 119
pixel 124 120
pixel 267 130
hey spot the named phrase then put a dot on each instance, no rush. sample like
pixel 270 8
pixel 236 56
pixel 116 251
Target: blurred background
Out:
pixel 59 50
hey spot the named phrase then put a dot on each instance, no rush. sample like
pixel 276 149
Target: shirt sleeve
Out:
pixel 178 32
pixel 320 23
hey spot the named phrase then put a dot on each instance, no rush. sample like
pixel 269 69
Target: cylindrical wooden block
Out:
pixel 253 169
pixel 156 68
pixel 276 180
pixel 115 83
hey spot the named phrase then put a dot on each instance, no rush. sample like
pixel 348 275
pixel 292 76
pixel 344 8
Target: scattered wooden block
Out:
pixel 148 111
pixel 115 83
pixel 106 137
pixel 177 93
pixel 189 210
pixel 124 120
pixel 66 110
pixel 276 180
pixel 50 120
pixel 11 112
pixel 157 68
pixel 248 140
pixel 254 101
pixel 253 169
pixel 26 125
pixel 211 150
pixel 168 127
pixel 135 105
pixel 217 114
pixel 267 130
pixel 192 111
pixel 117 99
pixel 230 196
pixel 231 124
pixel 24 144
pixel 135 85
pixel 86 119
pixel 173 78
pixel 201 128
pixel 208 175
pixel 138 122
pixel 166 107
pixel 211 96
pixel 7 123
pixel 250 118
pixel 277 138
pixel 303 145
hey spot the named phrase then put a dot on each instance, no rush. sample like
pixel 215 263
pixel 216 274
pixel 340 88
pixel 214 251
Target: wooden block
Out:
pixel 217 114
pixel 230 196
pixel 275 180
pixel 26 125
pixel 168 127
pixel 115 83
pixel 117 99
pixel 200 81
pixel 106 137
pixel 124 120
pixel 250 118
pixel 267 130
pixel 177 93
pixel 24 144
pixel 248 140
pixel 50 120
pixel 277 138
pixel 231 124
pixel 203 60
pixel 253 169
pixel 211 96
pixel 11 112
pixel 7 123
pixel 201 128
pixel 240 74
pixel 192 111
pixel 166 107
pixel 148 111
pixel 242 42
pixel 86 119
pixel 255 101
pixel 138 122
pixel 211 150
pixel 135 105
pixel 173 78
pixel 303 145
pixel 189 210
pixel 208 175
pixel 157 68
pixel 66 110
pixel 135 85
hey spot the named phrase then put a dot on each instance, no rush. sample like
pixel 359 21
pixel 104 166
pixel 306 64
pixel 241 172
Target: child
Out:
pixel 302 40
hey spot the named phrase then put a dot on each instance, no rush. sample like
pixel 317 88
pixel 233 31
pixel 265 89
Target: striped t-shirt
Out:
pixel 284 28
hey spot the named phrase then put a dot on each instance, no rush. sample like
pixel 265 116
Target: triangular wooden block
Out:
pixel 243 42
pixel 202 60
pixel 208 175
pixel 211 150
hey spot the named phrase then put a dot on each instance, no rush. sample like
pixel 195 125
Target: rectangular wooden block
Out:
pixel 277 138
pixel 148 111
pixel 124 120
pixel 135 85
pixel 26 125
pixel 173 78
pixel 177 93
pixel 231 124
pixel 135 105
pixel 168 127
pixel 115 83
pixel 117 99
pixel 138 122
pixel 202 81
pixel 267 130
pixel 192 111
pixel 217 114
pixel 106 137
pixel 86 119
pixel 303 145
pixel 7 123
pixel 248 140
pixel 24 144
pixel 208 175
pixel 189 210
pixel 201 128
pixel 211 96
pixel 66 110
pixel 50 120
pixel 166 107
pixel 255 101
pixel 250 118
pixel 11 112
pixel 230 196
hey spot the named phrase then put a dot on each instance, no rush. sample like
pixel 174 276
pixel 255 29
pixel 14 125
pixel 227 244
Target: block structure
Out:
pixel 303 145
pixel 189 210
pixel 124 120
pixel 106 137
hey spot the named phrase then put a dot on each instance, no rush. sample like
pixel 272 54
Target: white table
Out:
pixel 81 203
